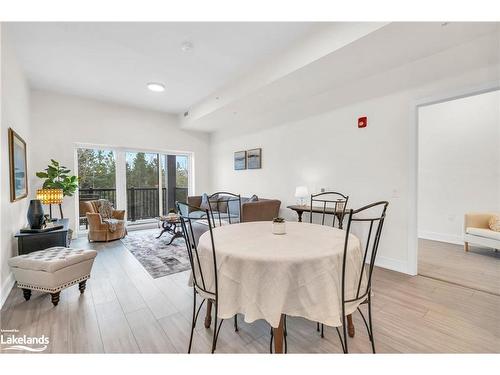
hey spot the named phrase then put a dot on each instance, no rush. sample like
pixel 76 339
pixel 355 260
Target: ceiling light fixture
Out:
pixel 156 86
pixel 186 46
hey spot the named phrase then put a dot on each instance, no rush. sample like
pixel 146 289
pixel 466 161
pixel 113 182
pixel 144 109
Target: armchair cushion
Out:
pixel 486 233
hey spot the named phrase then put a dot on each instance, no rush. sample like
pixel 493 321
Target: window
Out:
pixel 146 184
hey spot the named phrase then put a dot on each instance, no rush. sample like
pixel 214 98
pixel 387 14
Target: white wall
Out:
pixel 329 151
pixel 459 164
pixel 60 121
pixel 15 98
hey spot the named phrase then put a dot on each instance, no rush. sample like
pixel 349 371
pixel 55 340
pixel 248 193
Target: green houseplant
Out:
pixel 57 176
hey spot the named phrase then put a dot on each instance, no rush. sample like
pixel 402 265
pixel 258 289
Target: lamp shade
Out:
pixel 301 192
pixel 50 196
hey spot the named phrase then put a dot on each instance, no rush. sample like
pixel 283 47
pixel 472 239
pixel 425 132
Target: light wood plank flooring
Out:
pixel 479 268
pixel 124 310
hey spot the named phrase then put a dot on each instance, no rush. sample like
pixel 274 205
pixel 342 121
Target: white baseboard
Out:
pixel 392 264
pixel 6 288
pixel 442 237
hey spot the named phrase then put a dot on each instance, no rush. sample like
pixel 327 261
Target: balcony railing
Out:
pixel 142 203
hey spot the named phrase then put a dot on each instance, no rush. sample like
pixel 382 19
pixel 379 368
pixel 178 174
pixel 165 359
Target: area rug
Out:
pixel 158 258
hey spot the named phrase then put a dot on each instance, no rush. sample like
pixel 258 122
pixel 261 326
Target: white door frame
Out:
pixel 413 160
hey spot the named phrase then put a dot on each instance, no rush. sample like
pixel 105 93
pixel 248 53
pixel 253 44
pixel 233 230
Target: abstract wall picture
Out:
pixel 17 163
pixel 240 160
pixel 254 158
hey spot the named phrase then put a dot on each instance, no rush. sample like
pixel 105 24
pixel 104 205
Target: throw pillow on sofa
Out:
pixel 253 198
pixel 205 204
pixel 494 223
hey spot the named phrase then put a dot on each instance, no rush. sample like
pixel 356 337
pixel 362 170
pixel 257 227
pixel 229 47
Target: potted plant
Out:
pixel 57 176
pixel 279 226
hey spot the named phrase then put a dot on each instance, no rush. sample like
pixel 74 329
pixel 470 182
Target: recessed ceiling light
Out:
pixel 186 46
pixel 156 86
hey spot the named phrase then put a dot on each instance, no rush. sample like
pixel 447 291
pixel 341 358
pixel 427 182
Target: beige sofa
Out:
pixel 260 210
pixel 477 231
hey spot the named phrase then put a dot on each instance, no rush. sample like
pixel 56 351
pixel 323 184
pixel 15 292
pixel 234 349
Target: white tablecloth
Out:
pixel 262 275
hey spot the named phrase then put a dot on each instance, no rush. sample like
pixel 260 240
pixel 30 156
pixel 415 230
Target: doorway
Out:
pixel 458 175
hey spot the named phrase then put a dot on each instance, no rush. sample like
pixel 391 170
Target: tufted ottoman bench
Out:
pixel 51 270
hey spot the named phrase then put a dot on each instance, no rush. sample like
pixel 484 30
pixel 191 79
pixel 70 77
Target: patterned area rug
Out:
pixel 158 258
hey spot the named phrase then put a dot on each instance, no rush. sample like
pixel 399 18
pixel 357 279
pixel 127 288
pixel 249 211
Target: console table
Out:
pixel 29 242
pixel 300 209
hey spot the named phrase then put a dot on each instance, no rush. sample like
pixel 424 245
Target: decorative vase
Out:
pixel 279 227
pixel 35 214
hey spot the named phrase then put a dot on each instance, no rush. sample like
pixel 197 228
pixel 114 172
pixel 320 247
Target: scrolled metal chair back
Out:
pixel 331 203
pixel 187 222
pixel 227 206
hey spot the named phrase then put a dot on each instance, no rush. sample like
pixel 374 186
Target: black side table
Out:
pixel 171 226
pixel 29 242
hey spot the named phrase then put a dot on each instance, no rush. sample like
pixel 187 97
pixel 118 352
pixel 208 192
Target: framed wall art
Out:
pixel 240 160
pixel 18 167
pixel 254 158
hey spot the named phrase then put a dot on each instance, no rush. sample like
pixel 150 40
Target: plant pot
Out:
pixel 279 228
pixel 35 214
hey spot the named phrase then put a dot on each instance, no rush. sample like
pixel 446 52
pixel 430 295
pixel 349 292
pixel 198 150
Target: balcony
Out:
pixel 142 203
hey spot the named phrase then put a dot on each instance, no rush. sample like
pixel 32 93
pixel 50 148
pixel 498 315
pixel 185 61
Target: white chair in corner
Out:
pixel 477 231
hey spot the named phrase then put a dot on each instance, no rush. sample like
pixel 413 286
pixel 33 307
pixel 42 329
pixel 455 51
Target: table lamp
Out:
pixel 301 193
pixel 50 197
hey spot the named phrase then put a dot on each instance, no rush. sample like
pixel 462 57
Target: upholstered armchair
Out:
pixel 102 229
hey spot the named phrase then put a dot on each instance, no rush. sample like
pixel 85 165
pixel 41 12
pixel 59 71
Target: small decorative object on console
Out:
pixel 35 214
pixel 279 225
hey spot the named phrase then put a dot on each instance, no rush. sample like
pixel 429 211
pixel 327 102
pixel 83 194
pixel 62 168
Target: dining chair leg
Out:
pixel 193 322
pixel 285 334
pixel 214 340
pixel 344 329
pixel 271 342
pixel 372 339
pixel 322 330
pixel 236 323
pixel 317 326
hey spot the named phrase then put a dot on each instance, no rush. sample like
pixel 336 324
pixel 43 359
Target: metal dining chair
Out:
pixel 371 216
pixel 225 206
pixel 334 204
pixel 331 203
pixel 200 288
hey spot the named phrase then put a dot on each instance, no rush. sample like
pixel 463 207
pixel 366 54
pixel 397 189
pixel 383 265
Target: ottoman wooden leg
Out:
pixel 82 286
pixel 55 298
pixel 27 294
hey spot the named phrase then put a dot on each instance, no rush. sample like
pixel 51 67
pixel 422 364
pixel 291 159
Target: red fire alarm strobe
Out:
pixel 362 122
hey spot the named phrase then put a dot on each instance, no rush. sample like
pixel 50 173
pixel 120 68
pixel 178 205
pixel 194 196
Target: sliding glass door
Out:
pixel 144 183
pixel 97 178
pixel 174 179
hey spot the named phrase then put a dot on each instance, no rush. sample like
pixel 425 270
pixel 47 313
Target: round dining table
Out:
pixel 262 275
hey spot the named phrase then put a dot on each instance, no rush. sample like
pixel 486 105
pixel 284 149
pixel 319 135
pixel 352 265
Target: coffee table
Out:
pixel 171 225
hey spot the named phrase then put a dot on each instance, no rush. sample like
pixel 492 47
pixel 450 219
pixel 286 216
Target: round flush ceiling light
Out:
pixel 186 46
pixel 156 86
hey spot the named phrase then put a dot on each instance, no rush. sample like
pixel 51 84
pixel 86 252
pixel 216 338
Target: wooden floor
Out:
pixel 479 268
pixel 124 310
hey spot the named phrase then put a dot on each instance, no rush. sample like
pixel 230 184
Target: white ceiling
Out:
pixel 390 58
pixel 114 61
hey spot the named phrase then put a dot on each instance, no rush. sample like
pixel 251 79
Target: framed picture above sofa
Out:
pixel 18 167
pixel 254 158
pixel 240 160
